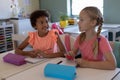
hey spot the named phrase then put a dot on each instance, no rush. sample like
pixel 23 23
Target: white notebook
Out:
pixel 34 60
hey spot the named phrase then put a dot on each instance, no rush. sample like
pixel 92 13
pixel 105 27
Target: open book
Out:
pixel 34 60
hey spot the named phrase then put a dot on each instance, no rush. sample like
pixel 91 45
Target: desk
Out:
pixel 36 73
pixel 7 69
pixel 74 31
pixel 114 28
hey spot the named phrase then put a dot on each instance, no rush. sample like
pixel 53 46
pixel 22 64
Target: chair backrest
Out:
pixel 68 41
pixel 116 50
pixel 17 38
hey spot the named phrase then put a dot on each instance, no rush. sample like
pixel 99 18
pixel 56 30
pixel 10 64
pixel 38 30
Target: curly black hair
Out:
pixel 37 14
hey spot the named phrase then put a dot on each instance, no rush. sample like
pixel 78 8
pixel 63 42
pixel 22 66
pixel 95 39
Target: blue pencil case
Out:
pixel 60 71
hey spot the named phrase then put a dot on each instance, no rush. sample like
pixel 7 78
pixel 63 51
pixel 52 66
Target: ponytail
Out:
pixel 96 44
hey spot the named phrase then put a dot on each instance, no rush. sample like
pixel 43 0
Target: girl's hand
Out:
pixel 40 54
pixel 81 62
pixel 32 54
pixel 70 55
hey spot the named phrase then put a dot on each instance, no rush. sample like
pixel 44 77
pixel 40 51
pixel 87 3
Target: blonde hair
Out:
pixel 94 14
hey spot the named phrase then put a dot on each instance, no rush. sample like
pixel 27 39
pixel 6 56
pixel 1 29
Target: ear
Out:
pixel 94 22
pixel 35 27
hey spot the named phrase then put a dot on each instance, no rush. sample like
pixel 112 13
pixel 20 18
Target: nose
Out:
pixel 78 22
pixel 45 25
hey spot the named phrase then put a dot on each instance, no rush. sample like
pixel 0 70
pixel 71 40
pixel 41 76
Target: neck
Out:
pixel 42 34
pixel 90 34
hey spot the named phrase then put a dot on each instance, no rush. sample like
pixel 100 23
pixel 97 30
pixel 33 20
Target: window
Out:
pixel 78 5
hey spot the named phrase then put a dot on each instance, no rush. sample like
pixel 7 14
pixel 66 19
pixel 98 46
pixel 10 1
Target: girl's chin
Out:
pixel 45 30
pixel 82 30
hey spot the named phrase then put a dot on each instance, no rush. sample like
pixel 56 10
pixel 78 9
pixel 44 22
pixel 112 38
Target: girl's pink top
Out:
pixel 46 44
pixel 86 48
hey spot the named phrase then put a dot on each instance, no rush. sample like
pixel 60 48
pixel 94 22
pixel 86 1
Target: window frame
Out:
pixel 78 13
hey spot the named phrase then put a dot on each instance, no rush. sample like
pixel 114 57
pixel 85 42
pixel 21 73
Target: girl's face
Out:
pixel 42 25
pixel 85 23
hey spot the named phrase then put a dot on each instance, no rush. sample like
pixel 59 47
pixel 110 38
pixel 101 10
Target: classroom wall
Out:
pixel 28 5
pixel 4 9
pixel 55 7
pixel 111 9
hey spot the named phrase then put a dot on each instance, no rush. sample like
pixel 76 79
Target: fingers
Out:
pixel 77 65
pixel 32 54
pixel 39 56
pixel 78 62
pixel 70 55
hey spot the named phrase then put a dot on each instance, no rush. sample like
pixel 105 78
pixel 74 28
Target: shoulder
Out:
pixel 32 34
pixel 103 38
pixel 104 45
pixel 53 31
pixel 78 37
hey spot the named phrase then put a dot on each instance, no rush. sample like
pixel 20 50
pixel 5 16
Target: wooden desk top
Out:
pixel 7 69
pixel 37 72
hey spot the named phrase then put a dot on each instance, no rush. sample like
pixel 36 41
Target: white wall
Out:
pixel 28 5
pixel 5 9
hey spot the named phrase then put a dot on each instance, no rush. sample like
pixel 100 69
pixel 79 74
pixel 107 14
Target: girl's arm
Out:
pixel 71 54
pixel 23 45
pixel 108 63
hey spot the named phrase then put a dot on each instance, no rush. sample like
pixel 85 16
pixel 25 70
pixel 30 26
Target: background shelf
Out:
pixel 6 32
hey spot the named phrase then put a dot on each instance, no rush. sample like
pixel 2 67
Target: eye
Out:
pixel 41 22
pixel 46 21
pixel 81 19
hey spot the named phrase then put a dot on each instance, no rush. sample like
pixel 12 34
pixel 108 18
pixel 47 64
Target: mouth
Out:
pixel 46 28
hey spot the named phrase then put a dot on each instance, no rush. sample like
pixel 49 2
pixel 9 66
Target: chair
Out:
pixel 118 39
pixel 116 50
pixel 68 41
pixel 17 38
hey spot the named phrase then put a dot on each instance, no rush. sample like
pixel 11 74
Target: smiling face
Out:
pixel 42 25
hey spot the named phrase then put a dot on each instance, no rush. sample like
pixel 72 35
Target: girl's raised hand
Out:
pixel 70 55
